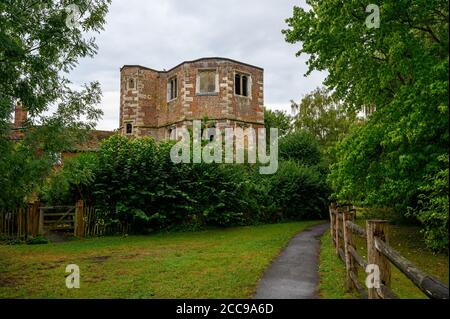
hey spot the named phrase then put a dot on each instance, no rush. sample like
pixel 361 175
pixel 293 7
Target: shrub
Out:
pixel 220 194
pixel 135 182
pixel 299 191
pixel 72 182
pixel 131 184
pixel 432 210
pixel 300 146
pixel 37 240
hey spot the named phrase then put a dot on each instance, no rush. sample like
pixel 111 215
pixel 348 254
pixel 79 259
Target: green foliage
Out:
pixel 38 240
pixel 136 183
pixel 433 208
pixel 277 119
pixel 401 70
pixel 69 184
pixel 301 147
pixel 319 114
pixel 130 180
pixel 299 191
pixel 38 50
pixel 20 172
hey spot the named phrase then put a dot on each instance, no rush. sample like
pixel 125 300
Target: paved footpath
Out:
pixel 294 274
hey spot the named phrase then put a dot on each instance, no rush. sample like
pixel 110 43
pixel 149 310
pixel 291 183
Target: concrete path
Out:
pixel 294 274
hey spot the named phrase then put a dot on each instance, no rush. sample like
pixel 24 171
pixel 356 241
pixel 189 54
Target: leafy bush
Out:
pixel 130 183
pixel 299 191
pixel 300 146
pixel 133 181
pixel 72 182
pixel 220 194
pixel 433 207
pixel 37 240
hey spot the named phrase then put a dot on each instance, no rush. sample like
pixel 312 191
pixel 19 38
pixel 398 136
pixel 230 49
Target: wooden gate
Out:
pixel 79 219
pixel 57 218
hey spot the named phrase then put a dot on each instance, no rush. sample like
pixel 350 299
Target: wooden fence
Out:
pixel 20 222
pixel 89 223
pixel 36 220
pixel 343 232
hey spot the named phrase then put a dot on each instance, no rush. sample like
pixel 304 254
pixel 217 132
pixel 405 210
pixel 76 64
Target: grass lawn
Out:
pixel 406 240
pixel 224 263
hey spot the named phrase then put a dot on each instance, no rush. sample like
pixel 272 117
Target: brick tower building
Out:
pixel 156 103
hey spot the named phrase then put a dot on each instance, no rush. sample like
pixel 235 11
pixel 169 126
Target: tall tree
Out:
pixel 277 119
pixel 41 42
pixel 319 114
pixel 399 66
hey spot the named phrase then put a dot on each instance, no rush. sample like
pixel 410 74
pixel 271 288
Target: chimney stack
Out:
pixel 20 115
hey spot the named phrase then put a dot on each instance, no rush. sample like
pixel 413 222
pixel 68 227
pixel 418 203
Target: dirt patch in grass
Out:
pixel 48 265
pixel 98 259
pixel 8 282
pixel 94 279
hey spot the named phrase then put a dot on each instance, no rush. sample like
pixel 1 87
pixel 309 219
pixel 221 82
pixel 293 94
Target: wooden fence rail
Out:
pixel 343 231
pixel 88 222
pixel 36 220
pixel 20 222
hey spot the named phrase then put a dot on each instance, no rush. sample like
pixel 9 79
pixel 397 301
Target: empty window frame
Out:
pixel 172 89
pixel 129 128
pixel 206 82
pixel 131 84
pixel 172 132
pixel 241 84
pixel 209 134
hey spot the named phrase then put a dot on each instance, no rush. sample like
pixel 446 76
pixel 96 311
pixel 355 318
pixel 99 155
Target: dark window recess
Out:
pixel 173 89
pixel 241 84
pixel 244 85
pixel 131 83
pixel 210 134
pixel 237 84
pixel 173 133
pixel 129 128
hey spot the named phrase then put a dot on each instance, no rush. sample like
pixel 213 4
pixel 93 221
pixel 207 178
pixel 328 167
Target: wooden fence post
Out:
pixel 332 222
pixel 378 228
pixel 79 221
pixel 30 220
pixel 336 230
pixel 36 216
pixel 348 241
pixel 41 222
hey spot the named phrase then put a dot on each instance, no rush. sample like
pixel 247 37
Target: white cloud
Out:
pixel 162 33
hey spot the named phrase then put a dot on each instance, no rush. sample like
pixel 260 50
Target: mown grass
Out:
pixel 332 272
pixel 223 263
pixel 407 240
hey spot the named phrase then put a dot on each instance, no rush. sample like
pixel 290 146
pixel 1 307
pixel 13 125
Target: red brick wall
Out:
pixel 147 108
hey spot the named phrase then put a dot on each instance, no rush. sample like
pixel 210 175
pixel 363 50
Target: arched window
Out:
pixel 129 128
pixel 131 84
pixel 172 89
pixel 241 84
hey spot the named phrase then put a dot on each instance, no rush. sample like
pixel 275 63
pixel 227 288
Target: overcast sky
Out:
pixel 162 33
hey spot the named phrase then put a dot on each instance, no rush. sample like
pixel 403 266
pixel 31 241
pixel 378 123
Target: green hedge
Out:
pixel 136 182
